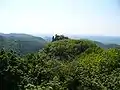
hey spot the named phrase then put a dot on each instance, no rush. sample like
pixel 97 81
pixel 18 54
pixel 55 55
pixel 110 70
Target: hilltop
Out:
pixel 21 43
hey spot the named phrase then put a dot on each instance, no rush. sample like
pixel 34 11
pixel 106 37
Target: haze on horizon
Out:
pixel 87 17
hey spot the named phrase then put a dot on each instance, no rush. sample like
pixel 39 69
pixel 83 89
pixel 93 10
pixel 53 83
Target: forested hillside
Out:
pixel 107 46
pixel 21 43
pixel 63 64
pixel 102 39
pixel 103 42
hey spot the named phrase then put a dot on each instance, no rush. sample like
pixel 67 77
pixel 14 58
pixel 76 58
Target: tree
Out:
pixel 12 71
pixel 58 37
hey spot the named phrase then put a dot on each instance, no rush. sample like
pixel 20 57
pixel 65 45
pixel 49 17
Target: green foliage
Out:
pixel 11 71
pixel 62 65
pixel 67 49
pixel 58 37
pixel 21 43
pixel 107 46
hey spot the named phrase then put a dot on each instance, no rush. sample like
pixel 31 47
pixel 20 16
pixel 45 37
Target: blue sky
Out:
pixel 87 17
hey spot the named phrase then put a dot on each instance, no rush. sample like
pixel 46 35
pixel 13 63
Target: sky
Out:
pixel 86 17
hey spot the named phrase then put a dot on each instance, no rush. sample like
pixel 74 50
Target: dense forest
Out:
pixel 63 64
pixel 21 43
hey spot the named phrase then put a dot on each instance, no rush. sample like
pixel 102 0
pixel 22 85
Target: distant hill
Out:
pixel 107 46
pixel 102 39
pixel 105 42
pixel 48 38
pixel 21 43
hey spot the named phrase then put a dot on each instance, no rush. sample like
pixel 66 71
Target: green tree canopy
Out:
pixel 58 37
